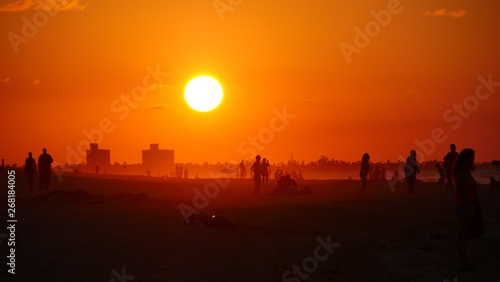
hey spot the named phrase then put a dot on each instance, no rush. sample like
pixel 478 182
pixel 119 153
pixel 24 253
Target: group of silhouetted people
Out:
pixel 260 171
pixel 44 169
pixel 181 172
pixel 446 172
pixel 456 169
pixel 411 169
pixel 286 184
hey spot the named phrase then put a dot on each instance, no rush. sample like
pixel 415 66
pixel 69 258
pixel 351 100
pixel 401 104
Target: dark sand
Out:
pixel 385 236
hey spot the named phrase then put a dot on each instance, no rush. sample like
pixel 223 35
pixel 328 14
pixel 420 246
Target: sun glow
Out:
pixel 203 93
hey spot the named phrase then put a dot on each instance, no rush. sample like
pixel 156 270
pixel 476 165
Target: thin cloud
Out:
pixel 46 5
pixel 5 80
pixel 157 86
pixel 158 107
pixel 444 13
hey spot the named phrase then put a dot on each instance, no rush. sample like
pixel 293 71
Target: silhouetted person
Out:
pixel 363 173
pixel 186 172
pixel 45 169
pixel 495 184
pixel 3 165
pixel 442 176
pixel 256 169
pixel 97 169
pixel 30 169
pixel 292 182
pixel 449 164
pixel 411 170
pixel 467 208
pixel 243 170
pixel 265 171
pixel 286 186
pixel 178 171
pixel 301 177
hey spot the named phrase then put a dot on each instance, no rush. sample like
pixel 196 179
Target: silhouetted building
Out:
pixel 155 159
pixel 98 157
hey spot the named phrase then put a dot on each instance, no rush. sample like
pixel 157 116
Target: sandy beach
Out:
pixel 88 229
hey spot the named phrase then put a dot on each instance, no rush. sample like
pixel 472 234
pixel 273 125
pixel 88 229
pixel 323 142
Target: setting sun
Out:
pixel 203 93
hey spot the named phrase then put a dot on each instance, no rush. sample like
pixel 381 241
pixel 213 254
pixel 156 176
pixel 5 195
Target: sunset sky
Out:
pixel 68 67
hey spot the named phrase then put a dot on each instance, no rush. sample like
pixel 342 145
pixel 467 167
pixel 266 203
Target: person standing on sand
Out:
pixel 365 168
pixel 467 208
pixel 442 176
pixel 30 169
pixel 45 169
pixel 449 164
pixel 243 171
pixel 265 171
pixel 411 171
pixel 256 169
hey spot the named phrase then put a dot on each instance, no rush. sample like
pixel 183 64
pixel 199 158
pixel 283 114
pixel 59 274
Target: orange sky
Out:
pixel 64 76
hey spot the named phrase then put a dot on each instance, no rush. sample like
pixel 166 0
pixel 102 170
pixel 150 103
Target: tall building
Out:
pixel 96 156
pixel 157 160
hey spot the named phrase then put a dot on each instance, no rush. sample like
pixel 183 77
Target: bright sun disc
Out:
pixel 203 93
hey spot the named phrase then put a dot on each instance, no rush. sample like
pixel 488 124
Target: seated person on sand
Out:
pixel 206 219
pixel 288 186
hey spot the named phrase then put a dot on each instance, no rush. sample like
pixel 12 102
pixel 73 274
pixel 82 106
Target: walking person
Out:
pixel 45 169
pixel 467 208
pixel 363 174
pixel 256 169
pixel 442 176
pixel 449 165
pixel 265 171
pixel 411 171
pixel 30 169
